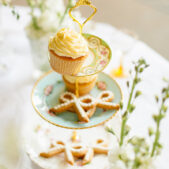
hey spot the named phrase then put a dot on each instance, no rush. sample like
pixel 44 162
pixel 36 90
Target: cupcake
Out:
pixel 68 51
pixel 85 84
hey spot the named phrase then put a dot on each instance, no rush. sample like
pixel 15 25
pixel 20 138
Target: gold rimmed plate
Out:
pixel 47 90
pixel 99 56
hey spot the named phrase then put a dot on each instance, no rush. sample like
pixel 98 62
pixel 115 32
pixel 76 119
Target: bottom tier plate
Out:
pixel 47 90
pixel 39 135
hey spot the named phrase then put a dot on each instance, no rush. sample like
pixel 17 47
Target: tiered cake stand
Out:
pixel 49 87
pixel 47 90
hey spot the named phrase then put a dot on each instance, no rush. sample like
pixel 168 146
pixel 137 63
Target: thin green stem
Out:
pixel 134 163
pixel 132 90
pixel 124 120
pixel 157 131
pixel 122 131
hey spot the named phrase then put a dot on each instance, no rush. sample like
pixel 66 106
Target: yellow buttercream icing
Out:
pixel 69 43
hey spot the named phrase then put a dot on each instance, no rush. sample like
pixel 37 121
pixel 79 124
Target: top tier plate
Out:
pixel 99 56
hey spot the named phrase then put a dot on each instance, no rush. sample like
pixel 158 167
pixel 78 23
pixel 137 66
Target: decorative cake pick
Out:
pixel 80 3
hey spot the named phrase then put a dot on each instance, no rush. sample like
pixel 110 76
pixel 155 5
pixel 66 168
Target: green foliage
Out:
pixel 138 93
pixel 33 6
pixel 151 131
pixel 156 148
pixel 143 152
pixel 110 130
pixel 139 67
pixel 41 5
pixel 121 105
pixel 128 84
pixel 126 130
pixel 16 14
pixel 8 4
pixel 131 108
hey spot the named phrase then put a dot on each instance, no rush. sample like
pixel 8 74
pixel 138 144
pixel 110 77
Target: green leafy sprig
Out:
pixel 158 118
pixel 33 5
pixel 41 6
pixel 139 67
pixel 14 12
pixel 143 152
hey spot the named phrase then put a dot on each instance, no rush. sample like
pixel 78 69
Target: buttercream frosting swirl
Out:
pixel 69 43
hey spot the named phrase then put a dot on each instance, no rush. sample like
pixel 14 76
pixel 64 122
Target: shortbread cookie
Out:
pixel 85 106
pixel 86 152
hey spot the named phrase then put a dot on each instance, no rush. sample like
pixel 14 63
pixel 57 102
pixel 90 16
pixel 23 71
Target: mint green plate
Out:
pixel 47 90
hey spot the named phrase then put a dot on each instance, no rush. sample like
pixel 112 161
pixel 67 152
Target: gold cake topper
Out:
pixel 80 3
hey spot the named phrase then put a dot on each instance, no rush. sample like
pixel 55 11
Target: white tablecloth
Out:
pixel 16 83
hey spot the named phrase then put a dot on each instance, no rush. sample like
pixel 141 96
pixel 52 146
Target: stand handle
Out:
pixel 80 3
